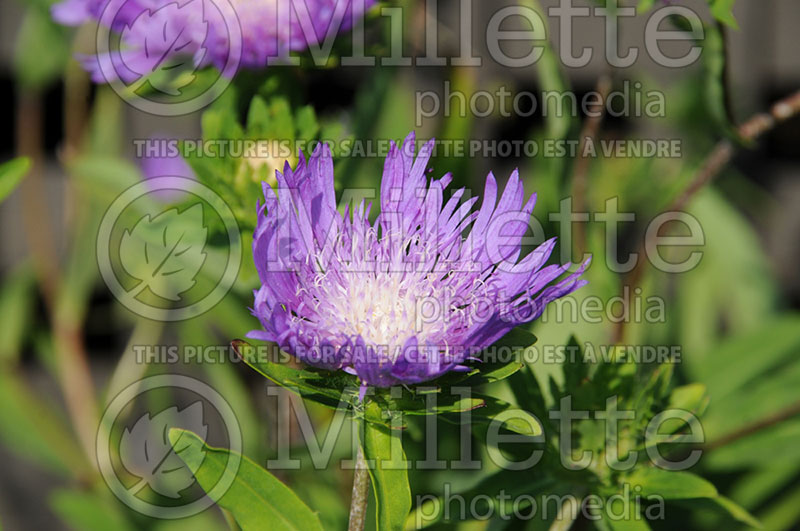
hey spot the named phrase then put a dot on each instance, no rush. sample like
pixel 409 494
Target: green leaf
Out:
pixel 644 6
pixel 388 475
pixel 105 176
pixel 671 485
pixel 512 418
pixel 492 372
pixel 625 524
pixel 493 365
pixel 711 509
pixel 517 339
pixel 87 511
pixel 516 484
pixel 32 428
pixel 479 373
pixel 429 401
pixel 552 78
pixel 632 519
pixel 755 487
pixel 691 397
pixel 741 359
pixel 529 395
pixel 551 171
pixel 257 499
pixel 757 450
pixel 738 512
pixel 17 297
pixel 336 389
pixel 723 11
pixel 575 367
pixel 707 309
pixel 258 118
pixel 42 49
pixel 225 377
pixel 105 128
pixel 716 85
pixel 306 122
pixel 655 389
pixel 11 174
pixel 207 521
pixel 783 513
pixel 311 385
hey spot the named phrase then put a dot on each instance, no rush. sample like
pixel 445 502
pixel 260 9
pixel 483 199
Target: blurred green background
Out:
pixel 66 345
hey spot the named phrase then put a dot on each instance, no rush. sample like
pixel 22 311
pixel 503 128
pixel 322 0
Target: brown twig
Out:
pixel 76 382
pixel 36 214
pixel 74 374
pixel 76 110
pixel 719 157
pixel 786 414
pixel 589 132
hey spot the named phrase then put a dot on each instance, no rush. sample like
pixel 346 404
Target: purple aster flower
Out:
pixel 160 34
pixel 406 298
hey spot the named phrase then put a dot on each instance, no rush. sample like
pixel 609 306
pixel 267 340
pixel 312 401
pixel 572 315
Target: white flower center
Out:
pixel 381 308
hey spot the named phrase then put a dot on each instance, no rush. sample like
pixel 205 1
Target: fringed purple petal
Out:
pixel 406 298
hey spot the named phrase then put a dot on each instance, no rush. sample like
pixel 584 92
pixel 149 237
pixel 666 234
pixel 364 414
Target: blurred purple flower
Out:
pixel 407 298
pixel 161 34
pixel 166 164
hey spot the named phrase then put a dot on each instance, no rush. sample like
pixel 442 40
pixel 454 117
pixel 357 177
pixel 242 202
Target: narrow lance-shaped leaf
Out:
pixel 388 475
pixel 510 417
pixel 736 511
pixel 256 498
pixel 671 485
pixel 16 312
pixel 310 385
pixel 691 397
pixel 529 395
pixel 716 86
pixel 551 172
pixel 11 174
pixel 552 78
pixel 575 367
